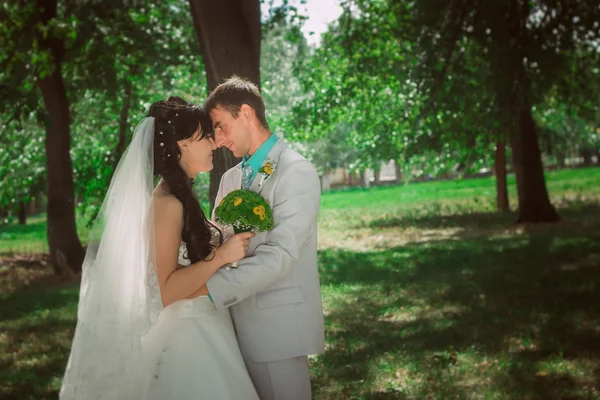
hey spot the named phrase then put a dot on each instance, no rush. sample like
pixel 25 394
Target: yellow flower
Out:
pixel 268 168
pixel 238 201
pixel 259 210
pixel 263 216
pixel 222 201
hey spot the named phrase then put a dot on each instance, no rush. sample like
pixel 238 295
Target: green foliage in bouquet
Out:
pixel 245 211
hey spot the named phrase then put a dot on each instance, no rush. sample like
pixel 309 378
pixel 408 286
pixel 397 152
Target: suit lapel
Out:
pixel 256 183
pixel 259 181
pixel 236 177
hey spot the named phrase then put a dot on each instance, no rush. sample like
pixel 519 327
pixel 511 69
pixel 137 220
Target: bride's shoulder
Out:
pixel 167 205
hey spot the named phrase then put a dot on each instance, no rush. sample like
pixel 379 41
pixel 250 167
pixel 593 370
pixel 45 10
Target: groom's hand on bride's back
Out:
pixel 203 291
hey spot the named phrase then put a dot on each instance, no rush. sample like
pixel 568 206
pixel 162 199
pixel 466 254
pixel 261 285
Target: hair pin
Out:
pixel 169 121
pixel 177 115
pixel 160 132
pixel 162 144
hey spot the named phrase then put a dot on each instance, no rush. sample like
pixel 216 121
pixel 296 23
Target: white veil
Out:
pixel 119 299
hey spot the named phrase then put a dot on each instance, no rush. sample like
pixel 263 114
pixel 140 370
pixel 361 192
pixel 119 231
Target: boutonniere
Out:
pixel 267 170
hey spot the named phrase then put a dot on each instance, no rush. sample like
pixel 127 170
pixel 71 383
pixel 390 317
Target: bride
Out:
pixel 142 331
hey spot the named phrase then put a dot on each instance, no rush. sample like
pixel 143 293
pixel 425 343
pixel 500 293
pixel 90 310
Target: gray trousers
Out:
pixel 281 380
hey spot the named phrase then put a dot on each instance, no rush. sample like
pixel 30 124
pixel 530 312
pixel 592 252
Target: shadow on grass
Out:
pixel 521 300
pixel 464 221
pixel 23 303
pixel 37 326
pixel 469 221
pixel 36 370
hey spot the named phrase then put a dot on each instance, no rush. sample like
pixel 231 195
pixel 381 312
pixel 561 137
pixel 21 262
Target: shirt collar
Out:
pixel 256 160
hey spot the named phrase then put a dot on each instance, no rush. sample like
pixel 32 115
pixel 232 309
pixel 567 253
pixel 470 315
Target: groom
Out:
pixel 274 295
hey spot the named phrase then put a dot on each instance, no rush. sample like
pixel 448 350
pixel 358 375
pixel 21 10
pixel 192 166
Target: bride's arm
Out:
pixel 200 292
pixel 179 283
pixel 227 232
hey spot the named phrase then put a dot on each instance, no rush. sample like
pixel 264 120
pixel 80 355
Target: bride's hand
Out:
pixel 234 249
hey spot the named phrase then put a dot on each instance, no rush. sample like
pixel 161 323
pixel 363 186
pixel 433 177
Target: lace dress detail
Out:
pixel 153 287
pixel 183 256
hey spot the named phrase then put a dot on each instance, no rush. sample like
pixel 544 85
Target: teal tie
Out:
pixel 247 177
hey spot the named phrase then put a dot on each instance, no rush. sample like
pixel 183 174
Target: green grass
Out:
pixel 405 196
pixel 505 315
pixel 32 237
pixel 428 294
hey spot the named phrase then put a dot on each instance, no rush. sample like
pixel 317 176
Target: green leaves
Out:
pixel 359 81
pixel 246 211
pixel 108 47
pixel 22 162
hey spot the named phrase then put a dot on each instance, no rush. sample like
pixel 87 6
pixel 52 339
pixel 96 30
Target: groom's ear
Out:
pixel 247 112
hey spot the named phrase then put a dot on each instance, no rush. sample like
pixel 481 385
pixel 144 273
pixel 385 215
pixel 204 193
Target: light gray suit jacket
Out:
pixel 274 295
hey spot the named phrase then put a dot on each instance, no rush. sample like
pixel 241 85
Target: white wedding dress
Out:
pixel 195 354
pixel 126 345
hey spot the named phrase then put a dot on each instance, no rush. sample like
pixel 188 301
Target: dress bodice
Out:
pixel 182 258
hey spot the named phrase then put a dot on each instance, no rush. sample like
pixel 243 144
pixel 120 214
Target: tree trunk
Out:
pixel 351 179
pixel 377 177
pixel 364 180
pixel 502 203
pixel 586 153
pixel 22 213
pixel 534 203
pixel 65 248
pixel 561 159
pixel 229 34
pixel 398 171
pixel 32 207
pixel 326 182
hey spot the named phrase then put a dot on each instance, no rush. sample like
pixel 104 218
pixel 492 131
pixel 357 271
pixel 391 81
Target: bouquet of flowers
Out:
pixel 245 211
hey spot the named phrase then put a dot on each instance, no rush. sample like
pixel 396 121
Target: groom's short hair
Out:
pixel 235 92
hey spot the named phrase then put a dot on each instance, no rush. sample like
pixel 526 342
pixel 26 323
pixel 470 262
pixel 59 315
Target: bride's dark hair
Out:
pixel 175 120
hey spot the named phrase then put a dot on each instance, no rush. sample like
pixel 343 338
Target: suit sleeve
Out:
pixel 219 196
pixel 295 206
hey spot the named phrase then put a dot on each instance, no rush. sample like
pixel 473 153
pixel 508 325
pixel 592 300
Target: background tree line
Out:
pixel 440 89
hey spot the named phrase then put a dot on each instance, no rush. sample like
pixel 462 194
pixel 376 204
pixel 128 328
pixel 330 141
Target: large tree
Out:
pixel 86 59
pixel 527 46
pixel 229 34
pixel 66 251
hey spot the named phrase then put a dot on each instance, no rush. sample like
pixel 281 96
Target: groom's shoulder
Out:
pixel 291 159
pixel 291 156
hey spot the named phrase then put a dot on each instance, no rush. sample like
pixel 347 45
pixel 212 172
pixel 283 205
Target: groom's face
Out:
pixel 230 132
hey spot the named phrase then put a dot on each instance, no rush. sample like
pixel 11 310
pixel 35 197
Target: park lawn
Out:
pixel 32 237
pixel 427 293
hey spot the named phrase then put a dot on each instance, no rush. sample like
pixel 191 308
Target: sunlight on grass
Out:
pixel 32 237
